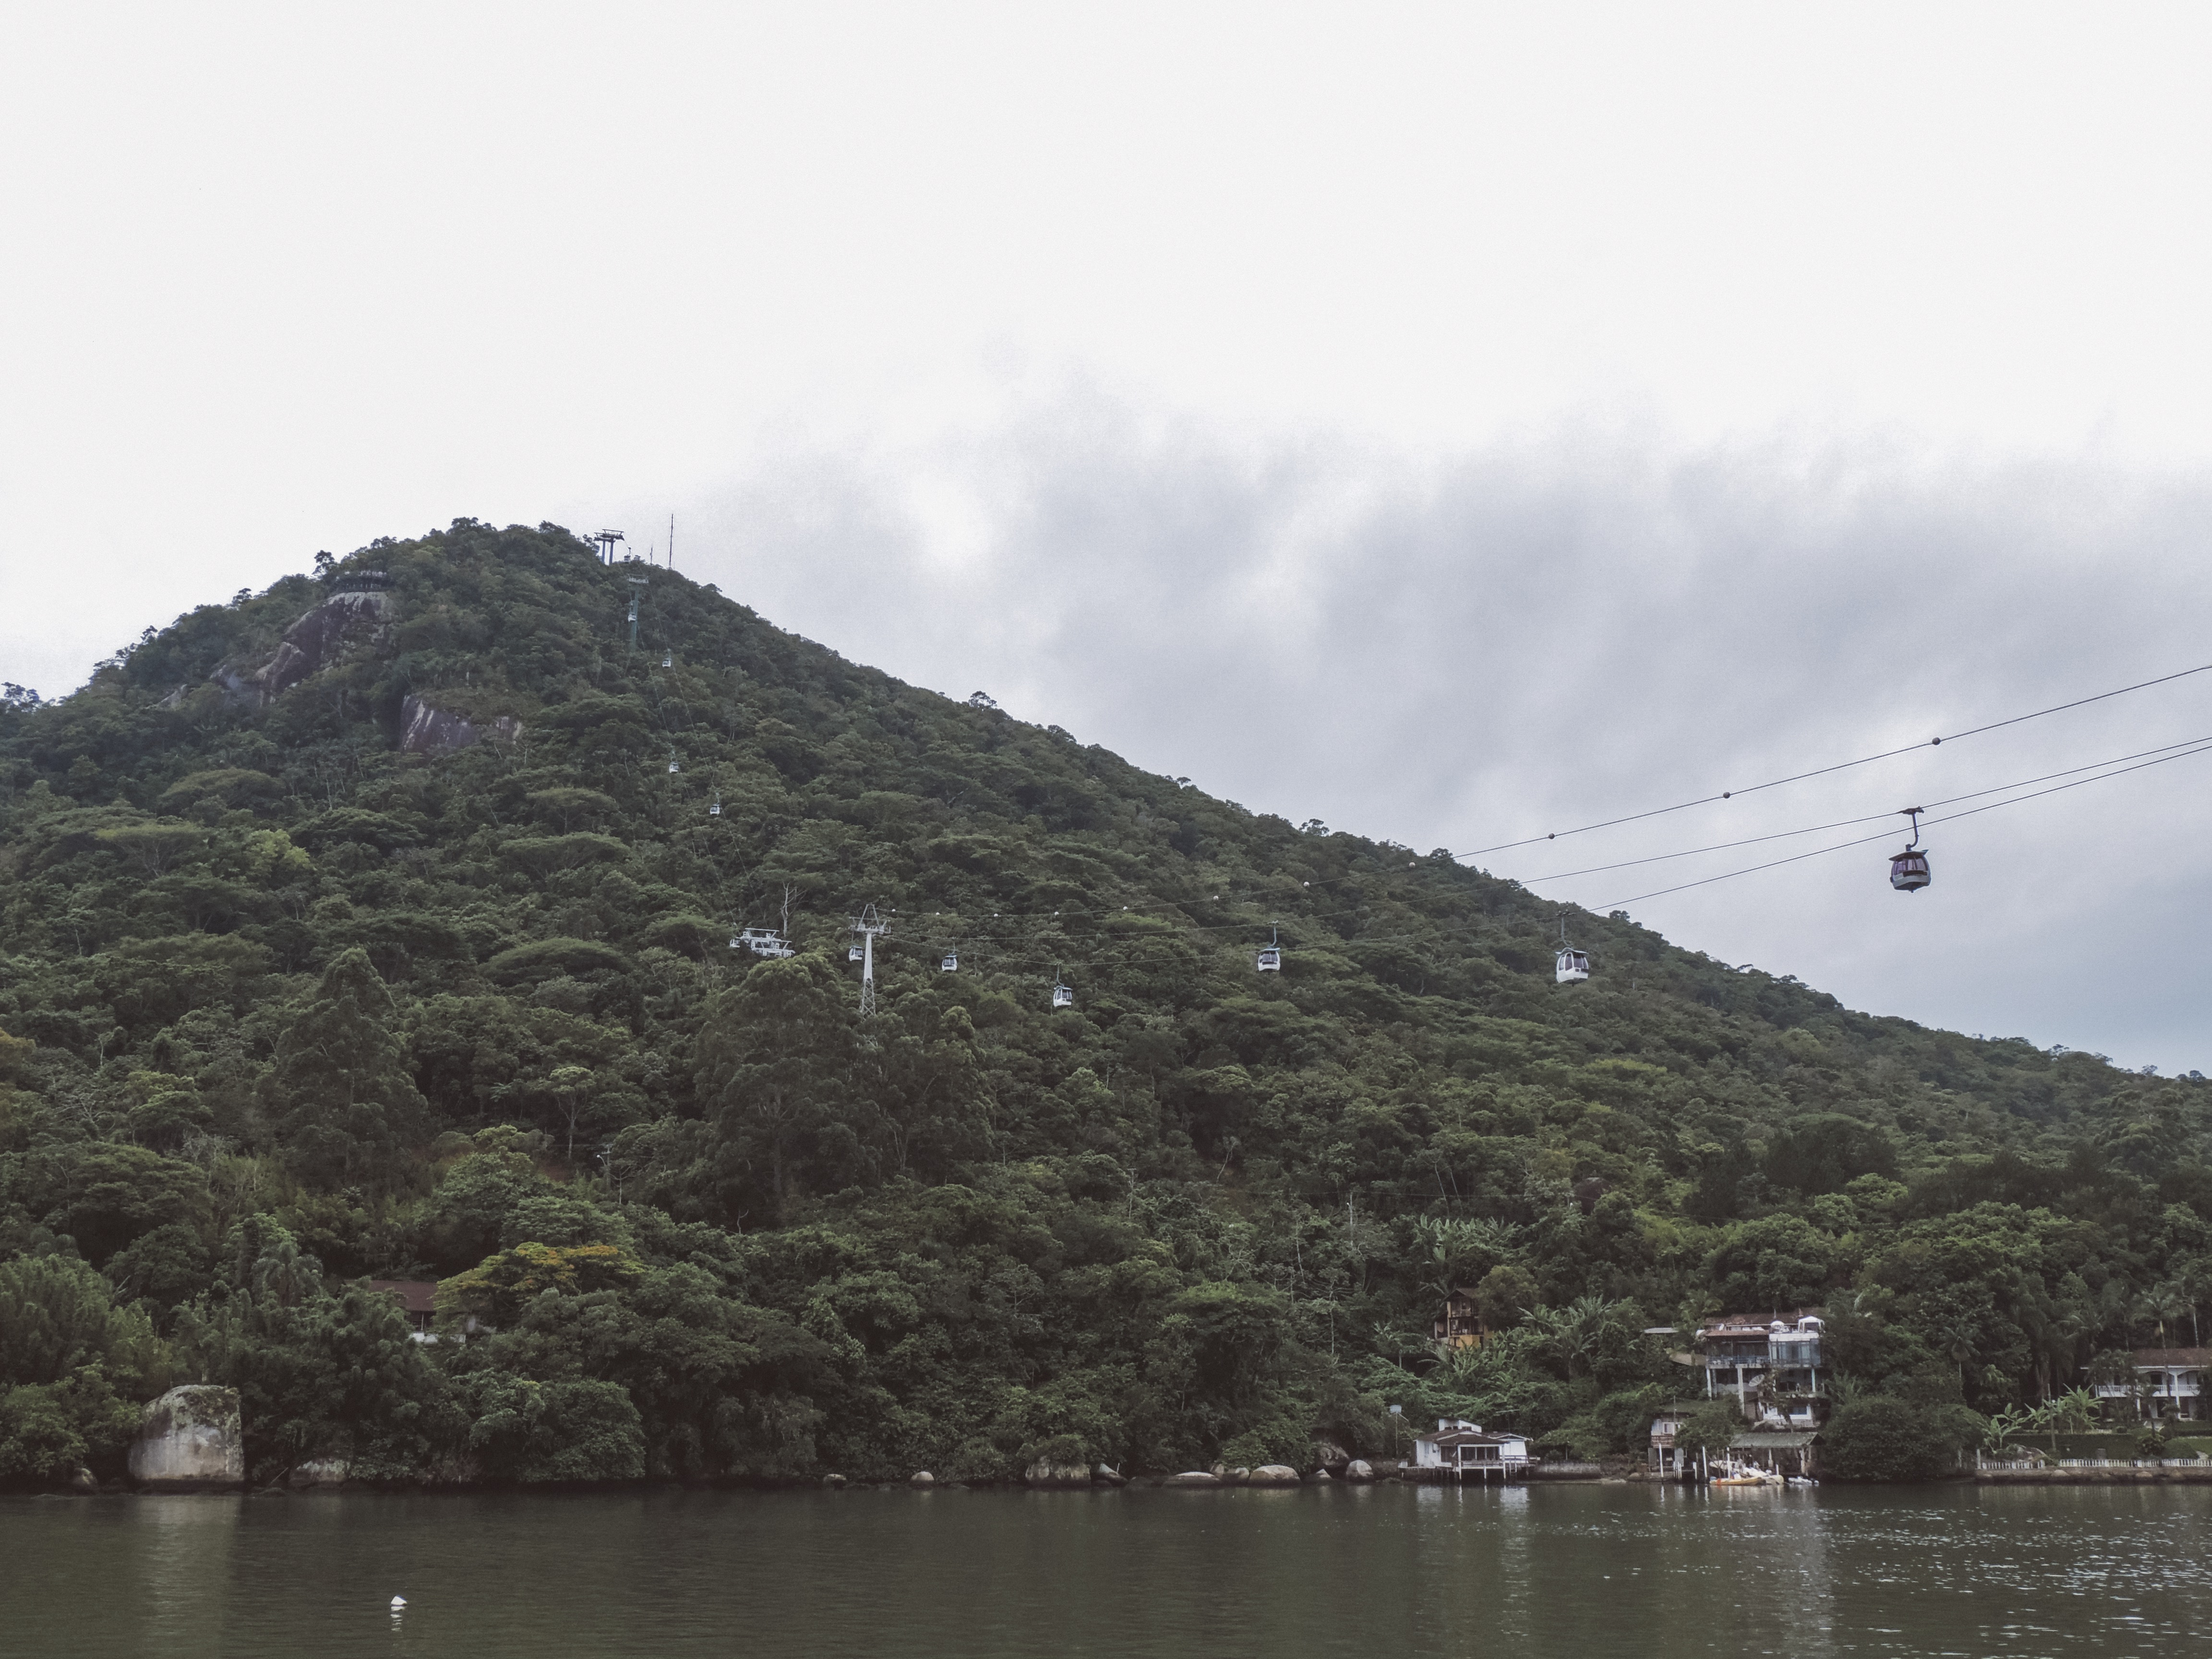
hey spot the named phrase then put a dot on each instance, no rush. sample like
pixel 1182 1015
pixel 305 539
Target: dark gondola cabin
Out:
pixel 1908 870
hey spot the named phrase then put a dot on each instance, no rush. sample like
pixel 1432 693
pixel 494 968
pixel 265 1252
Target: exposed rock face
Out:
pixel 427 731
pixel 322 1472
pixel 1272 1475
pixel 309 645
pixel 1327 1455
pixel 191 1440
pixel 1360 1471
pixel 1056 1474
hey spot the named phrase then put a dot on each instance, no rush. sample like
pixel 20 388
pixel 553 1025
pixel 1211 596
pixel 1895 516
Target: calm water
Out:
pixel 1575 1570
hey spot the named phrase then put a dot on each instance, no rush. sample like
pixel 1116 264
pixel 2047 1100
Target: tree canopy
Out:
pixel 291 997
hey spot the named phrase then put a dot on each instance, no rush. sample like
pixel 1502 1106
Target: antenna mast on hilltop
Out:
pixel 867 928
pixel 671 541
pixel 606 539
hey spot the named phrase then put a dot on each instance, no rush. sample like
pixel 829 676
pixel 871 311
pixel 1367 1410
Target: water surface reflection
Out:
pixel 1529 1572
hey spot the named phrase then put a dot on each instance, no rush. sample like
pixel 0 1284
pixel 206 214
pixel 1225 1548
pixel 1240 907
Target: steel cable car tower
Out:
pixel 869 924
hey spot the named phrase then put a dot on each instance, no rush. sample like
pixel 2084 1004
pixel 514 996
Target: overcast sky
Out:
pixel 1454 423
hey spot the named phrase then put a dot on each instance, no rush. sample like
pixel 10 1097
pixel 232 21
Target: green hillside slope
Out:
pixel 379 925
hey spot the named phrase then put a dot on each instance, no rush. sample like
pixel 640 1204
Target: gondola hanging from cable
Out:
pixel 952 962
pixel 1062 997
pixel 1908 870
pixel 715 811
pixel 1571 966
pixel 1270 959
pixel 672 767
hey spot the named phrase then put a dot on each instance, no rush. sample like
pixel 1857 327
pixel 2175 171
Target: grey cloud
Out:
pixel 1463 650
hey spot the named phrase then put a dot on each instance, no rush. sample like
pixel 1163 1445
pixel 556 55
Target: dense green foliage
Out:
pixel 286 1006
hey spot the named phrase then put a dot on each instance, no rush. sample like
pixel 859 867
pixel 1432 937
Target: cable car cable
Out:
pixel 1862 840
pixel 1871 817
pixel 1840 766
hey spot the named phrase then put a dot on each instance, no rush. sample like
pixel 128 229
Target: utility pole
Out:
pixel 867 928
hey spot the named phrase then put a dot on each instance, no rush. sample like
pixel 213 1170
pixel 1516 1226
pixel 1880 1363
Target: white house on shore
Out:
pixel 2169 1383
pixel 1464 1447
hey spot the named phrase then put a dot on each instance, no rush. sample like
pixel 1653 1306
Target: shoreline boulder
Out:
pixel 1272 1475
pixel 1360 1471
pixel 1194 1477
pixel 190 1439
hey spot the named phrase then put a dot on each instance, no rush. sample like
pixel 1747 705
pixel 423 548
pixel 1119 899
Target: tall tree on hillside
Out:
pixel 341 1087
pixel 774 1070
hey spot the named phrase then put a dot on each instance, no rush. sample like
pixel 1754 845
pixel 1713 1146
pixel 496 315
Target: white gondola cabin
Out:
pixel 715 811
pixel 668 659
pixel 1062 997
pixel 1571 967
pixel 1270 959
pixel 950 964
pixel 762 942
pixel 854 953
pixel 672 766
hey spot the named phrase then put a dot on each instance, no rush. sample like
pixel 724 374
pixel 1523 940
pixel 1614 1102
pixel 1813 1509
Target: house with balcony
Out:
pixel 1771 1368
pixel 1458 1326
pixel 1460 1448
pixel 2169 1385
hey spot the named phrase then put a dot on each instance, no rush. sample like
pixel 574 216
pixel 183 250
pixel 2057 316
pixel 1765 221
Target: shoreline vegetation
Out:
pixel 387 924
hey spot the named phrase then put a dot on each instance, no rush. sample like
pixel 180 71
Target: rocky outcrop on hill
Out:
pixel 309 645
pixel 190 1439
pixel 424 730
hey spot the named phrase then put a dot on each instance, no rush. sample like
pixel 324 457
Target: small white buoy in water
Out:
pixel 398 1603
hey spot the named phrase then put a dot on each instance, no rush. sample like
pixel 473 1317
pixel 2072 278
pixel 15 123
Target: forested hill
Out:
pixel 381 925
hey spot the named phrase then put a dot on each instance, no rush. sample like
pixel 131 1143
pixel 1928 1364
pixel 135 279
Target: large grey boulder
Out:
pixel 1107 1475
pixel 1360 1471
pixel 1327 1455
pixel 921 1478
pixel 1272 1475
pixel 320 1472
pixel 191 1440
pixel 1194 1478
